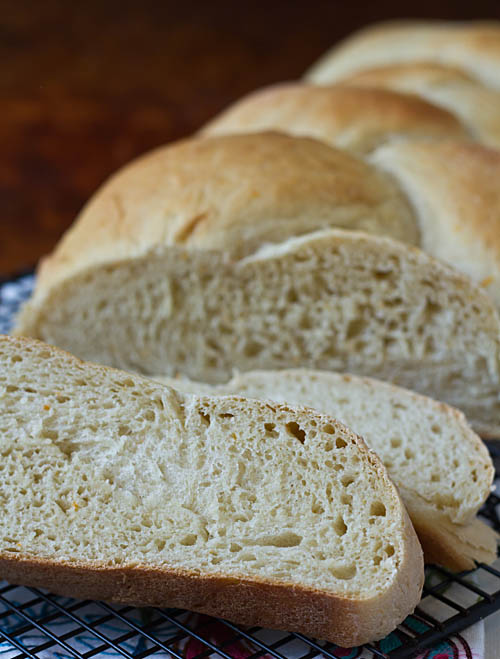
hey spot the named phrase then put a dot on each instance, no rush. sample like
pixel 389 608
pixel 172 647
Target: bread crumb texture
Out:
pixel 102 468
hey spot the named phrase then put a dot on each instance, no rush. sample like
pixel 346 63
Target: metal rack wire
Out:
pixel 36 624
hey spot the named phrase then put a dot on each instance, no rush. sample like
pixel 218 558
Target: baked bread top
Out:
pixel 475 104
pixel 454 189
pixel 232 193
pixel 473 47
pixel 355 118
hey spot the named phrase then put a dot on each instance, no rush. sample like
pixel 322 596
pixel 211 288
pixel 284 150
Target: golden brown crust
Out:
pixel 455 547
pixel 350 117
pixel 455 190
pixel 473 47
pixel 233 193
pixel 407 75
pixel 475 104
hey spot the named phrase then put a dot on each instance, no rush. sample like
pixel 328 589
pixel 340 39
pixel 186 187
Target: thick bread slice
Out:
pixel 442 469
pixel 473 47
pixel 117 488
pixel 475 104
pixel 455 191
pixel 334 300
pixel 354 118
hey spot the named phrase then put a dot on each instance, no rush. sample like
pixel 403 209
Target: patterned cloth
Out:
pixel 469 645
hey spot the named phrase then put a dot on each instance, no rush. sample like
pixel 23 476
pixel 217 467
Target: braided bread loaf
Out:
pixel 222 253
pixel 472 47
pixel 453 65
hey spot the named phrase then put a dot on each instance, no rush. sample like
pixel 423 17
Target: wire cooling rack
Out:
pixel 37 624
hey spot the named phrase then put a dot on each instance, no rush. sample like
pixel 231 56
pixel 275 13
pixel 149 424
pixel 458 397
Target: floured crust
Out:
pixel 473 47
pixel 355 118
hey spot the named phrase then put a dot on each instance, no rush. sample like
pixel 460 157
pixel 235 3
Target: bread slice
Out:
pixel 477 106
pixel 472 47
pixel 334 300
pixel 454 190
pixel 114 487
pixel 442 469
pixel 355 118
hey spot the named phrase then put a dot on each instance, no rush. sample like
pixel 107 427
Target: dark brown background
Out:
pixel 85 86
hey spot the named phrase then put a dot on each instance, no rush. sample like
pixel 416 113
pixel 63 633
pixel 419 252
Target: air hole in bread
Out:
pixel 436 429
pixel 16 358
pixel 346 499
pixel 226 415
pixel 355 328
pixel 343 571
pixel 189 540
pixel 270 429
pixel 285 539
pixel 395 442
pixel 339 526
pixel 329 429
pixel 296 431
pixel 340 443
pixel 409 454
pixel 63 505
pixel 205 418
pixel 347 479
pixel 389 550
pixel 53 435
pixel 431 309
pixel 252 349
pixel 122 430
pixel 382 274
pixel 247 557
pixel 127 383
pixel 377 509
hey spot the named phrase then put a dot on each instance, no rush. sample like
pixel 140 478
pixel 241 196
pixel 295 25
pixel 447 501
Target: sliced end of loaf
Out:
pixel 115 487
pixel 335 300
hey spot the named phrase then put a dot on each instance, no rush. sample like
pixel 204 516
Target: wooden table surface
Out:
pixel 86 86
